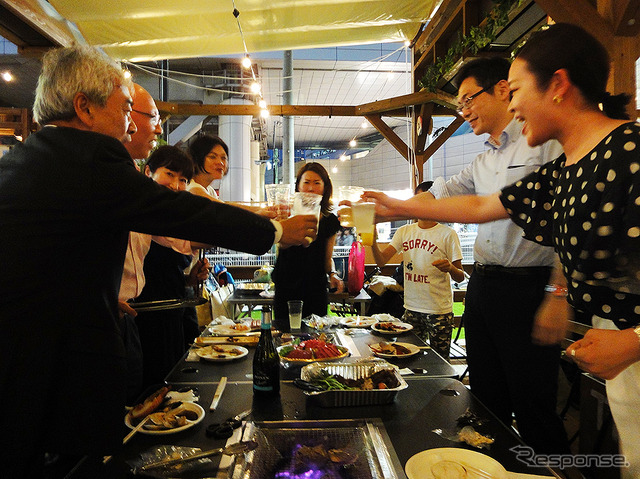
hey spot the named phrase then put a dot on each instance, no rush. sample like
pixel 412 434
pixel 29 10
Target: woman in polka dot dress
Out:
pixel 586 204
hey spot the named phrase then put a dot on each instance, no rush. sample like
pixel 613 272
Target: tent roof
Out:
pixel 152 30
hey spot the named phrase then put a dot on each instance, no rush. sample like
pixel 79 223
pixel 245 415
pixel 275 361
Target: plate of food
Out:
pixel 164 415
pixel 453 463
pixel 311 350
pixel 358 321
pixel 221 352
pixel 239 329
pixel 391 327
pixel 394 350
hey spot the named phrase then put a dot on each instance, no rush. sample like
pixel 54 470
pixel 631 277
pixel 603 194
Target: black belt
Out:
pixel 497 270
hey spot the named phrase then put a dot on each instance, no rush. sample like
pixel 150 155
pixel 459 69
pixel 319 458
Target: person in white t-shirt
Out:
pixel 432 256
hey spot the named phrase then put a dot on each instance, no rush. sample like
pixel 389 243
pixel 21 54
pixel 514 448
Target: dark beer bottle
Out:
pixel 266 363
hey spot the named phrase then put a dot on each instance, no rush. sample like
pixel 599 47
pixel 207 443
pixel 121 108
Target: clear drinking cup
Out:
pixel 352 194
pixel 306 204
pixel 295 314
pixel 363 219
pixel 278 198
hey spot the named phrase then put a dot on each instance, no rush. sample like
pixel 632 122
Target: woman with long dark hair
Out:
pixel 301 272
pixel 585 203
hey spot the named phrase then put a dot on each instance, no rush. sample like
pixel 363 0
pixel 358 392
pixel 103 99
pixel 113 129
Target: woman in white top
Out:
pixel 210 157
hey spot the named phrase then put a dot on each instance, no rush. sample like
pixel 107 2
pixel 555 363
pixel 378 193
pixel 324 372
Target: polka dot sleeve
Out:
pixel 529 202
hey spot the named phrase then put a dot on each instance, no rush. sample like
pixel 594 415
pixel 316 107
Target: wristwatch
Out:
pixel 557 290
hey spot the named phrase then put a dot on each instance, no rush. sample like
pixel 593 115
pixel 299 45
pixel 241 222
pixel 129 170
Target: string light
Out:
pixel 246 62
pixel 364 124
pixel 343 158
pixel 353 143
pixel 264 113
pixel 127 73
pixel 334 169
pixel 7 76
pixel 262 103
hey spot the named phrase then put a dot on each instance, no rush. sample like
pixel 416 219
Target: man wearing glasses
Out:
pixel 507 370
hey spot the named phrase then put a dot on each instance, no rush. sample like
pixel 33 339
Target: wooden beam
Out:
pixel 582 13
pixel 34 16
pixel 254 110
pixel 389 135
pixel 426 116
pixel 447 10
pixel 624 16
pixel 442 137
pixel 418 98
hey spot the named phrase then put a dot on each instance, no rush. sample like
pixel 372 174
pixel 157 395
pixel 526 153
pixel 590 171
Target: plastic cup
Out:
pixel 278 198
pixel 352 194
pixel 295 314
pixel 363 220
pixel 306 204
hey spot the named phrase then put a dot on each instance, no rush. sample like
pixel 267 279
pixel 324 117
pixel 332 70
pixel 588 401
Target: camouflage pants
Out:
pixel 433 328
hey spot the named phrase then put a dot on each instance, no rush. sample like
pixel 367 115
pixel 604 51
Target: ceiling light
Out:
pixel 255 87
pixel 334 169
pixel 7 76
pixel 343 158
pixel 264 113
pixel 262 104
pixel 246 61
pixel 364 124
pixel 353 143
pixel 407 43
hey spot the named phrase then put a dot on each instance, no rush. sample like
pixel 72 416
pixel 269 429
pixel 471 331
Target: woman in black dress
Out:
pixel 301 272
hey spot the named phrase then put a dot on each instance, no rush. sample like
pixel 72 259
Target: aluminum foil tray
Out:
pixel 365 451
pixel 352 370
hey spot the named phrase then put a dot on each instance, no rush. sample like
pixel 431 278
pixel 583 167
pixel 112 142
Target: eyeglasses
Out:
pixel 468 102
pixel 155 119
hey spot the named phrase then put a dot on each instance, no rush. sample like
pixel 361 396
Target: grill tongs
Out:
pixel 167 304
pixel 230 450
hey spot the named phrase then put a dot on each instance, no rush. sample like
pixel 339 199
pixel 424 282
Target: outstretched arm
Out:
pixel 457 209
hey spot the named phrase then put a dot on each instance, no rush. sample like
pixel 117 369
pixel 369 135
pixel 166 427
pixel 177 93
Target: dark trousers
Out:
pixel 507 372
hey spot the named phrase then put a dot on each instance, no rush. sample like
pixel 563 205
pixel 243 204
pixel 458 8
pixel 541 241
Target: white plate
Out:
pixel 402 328
pixel 344 353
pixel 208 354
pixel 358 321
pixel 240 329
pixel 189 405
pixel 419 465
pixel 413 349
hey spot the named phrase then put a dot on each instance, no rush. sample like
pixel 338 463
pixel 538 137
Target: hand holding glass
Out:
pixel 278 198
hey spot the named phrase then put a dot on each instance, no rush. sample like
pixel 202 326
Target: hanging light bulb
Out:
pixel 246 61
pixel 255 87
pixel 264 113
pixel 364 124
pixel 407 43
pixel 7 76
pixel 343 158
pixel 353 143
pixel 334 169
pixel 262 104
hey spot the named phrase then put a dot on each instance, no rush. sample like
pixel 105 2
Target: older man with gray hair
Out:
pixel 69 196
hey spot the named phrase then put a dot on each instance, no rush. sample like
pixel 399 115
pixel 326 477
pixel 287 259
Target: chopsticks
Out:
pixel 218 394
pixel 128 437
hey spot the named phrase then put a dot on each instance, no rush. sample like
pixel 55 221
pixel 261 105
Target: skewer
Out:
pixel 128 437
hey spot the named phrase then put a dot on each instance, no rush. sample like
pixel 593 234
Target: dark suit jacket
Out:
pixel 68 199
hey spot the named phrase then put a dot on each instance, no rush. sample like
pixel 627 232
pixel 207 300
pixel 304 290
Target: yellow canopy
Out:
pixel 151 30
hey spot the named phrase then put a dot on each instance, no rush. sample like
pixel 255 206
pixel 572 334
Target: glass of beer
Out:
pixel 363 220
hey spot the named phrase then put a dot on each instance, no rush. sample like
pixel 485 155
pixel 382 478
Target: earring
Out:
pixel 557 99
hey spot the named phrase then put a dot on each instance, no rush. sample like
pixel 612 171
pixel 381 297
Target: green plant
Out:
pixel 477 38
